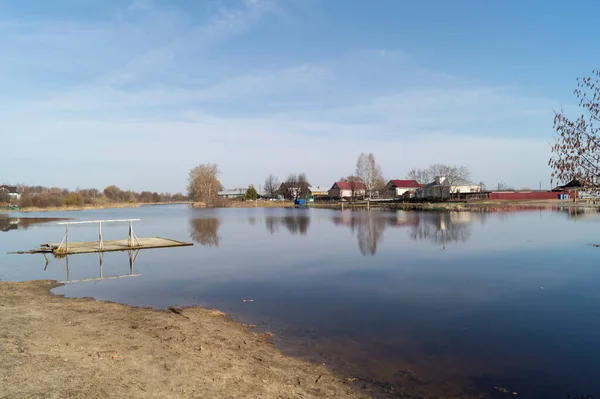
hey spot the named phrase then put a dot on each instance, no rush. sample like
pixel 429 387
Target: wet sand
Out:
pixel 53 346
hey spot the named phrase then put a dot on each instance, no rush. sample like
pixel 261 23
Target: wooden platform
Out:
pixel 111 246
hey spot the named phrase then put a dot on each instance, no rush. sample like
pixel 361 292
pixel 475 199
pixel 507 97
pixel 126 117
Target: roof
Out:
pixel 10 189
pixel 346 185
pixel 406 183
pixel 572 184
pixel 318 188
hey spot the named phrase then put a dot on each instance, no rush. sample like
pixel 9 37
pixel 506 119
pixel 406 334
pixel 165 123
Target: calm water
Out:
pixel 429 304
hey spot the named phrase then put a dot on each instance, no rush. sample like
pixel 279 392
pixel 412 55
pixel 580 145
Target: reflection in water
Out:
pixel 296 224
pixel 64 260
pixel 370 225
pixel 10 223
pixel 444 227
pixel 204 231
pixel 579 212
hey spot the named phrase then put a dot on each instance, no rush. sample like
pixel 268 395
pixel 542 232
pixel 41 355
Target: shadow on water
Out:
pixel 205 231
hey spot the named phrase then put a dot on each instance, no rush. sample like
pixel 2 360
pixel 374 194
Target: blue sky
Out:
pixel 137 92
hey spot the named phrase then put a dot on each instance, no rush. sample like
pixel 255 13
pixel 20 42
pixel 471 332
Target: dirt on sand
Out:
pixel 55 347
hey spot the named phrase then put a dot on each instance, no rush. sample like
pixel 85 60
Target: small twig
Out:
pixel 319 378
pixel 177 311
pixel 141 388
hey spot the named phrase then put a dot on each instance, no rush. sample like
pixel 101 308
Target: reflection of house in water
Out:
pixel 204 231
pixel 444 227
pixel 580 212
pixel 296 224
pixel 9 223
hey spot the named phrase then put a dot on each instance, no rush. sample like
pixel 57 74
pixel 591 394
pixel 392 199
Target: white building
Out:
pixel 442 188
pixel 9 194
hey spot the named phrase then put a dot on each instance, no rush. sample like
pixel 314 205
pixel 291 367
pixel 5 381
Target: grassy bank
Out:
pixel 80 348
pixel 90 207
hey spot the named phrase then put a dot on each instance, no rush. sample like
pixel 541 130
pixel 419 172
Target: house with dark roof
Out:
pixel 346 189
pixel 294 190
pixel 441 187
pixel 9 194
pixel 397 188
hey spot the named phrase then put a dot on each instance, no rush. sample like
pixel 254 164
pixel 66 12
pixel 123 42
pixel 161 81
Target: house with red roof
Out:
pixel 347 189
pixel 397 188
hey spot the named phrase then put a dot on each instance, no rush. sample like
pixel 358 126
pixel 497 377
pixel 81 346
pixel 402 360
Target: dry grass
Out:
pixel 54 347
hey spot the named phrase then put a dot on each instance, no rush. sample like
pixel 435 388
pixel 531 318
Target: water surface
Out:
pixel 427 304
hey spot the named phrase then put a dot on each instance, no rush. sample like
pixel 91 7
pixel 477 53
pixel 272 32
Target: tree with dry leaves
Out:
pixel 576 150
pixel 204 184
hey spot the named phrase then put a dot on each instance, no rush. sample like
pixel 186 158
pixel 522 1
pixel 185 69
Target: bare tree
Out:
pixel 204 184
pixel 576 150
pixel 303 185
pixel 291 185
pixel 271 186
pixel 454 175
pixel 369 171
pixel 355 185
pixel 422 176
pixel 502 186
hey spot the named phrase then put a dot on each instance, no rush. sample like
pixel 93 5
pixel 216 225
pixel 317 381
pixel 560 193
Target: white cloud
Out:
pixel 156 98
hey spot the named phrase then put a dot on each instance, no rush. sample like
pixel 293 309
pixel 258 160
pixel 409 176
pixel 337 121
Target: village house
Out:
pixel 345 189
pixel 398 188
pixel 9 194
pixel 318 191
pixel 231 194
pixel 442 188
pixel 293 191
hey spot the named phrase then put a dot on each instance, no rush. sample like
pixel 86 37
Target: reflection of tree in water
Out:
pixel 252 221
pixel 204 231
pixel 368 227
pixel 442 228
pixel 296 224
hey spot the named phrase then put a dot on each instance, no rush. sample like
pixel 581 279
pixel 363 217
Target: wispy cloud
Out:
pixel 154 83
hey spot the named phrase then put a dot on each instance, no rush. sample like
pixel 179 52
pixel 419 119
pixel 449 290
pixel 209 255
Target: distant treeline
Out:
pixel 44 197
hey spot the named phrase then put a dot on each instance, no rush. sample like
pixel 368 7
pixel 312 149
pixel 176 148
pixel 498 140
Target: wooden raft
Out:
pixel 131 243
pixel 112 245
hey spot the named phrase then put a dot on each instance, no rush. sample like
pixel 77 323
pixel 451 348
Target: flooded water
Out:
pixel 421 304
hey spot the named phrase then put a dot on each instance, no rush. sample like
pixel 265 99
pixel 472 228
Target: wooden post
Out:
pixel 130 240
pixel 100 236
pixel 67 238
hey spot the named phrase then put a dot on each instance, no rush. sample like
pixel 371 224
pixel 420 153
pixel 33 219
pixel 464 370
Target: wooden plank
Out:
pixel 115 245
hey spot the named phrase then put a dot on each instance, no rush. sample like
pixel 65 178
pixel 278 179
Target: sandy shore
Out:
pixel 54 347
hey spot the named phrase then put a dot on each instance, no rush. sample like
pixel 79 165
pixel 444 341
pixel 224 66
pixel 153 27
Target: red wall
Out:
pixel 526 195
